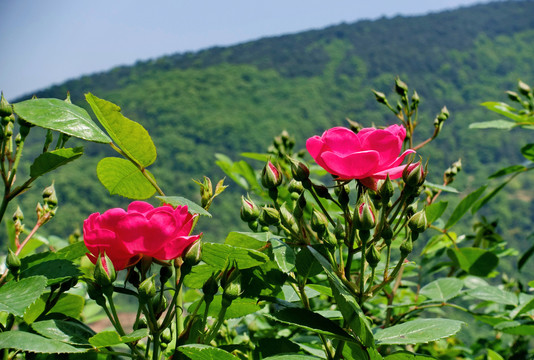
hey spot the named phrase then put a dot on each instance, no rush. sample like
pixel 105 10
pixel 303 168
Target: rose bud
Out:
pixel 271 177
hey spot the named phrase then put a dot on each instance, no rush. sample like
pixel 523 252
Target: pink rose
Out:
pixel 369 155
pixel 142 230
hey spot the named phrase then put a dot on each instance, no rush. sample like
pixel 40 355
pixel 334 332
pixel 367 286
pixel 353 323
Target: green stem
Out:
pixel 115 316
pixel 362 271
pixel 215 329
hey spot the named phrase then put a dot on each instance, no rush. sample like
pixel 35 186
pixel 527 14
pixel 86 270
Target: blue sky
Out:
pixel 46 42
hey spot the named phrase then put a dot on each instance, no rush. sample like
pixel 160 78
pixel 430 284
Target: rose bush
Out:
pixel 368 156
pixel 143 230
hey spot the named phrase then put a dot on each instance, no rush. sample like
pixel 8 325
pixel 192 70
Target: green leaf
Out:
pixel 70 305
pixel 418 331
pixel 199 275
pixel 528 151
pixel 25 341
pixel 192 207
pixel 248 240
pixel 130 136
pixel 435 210
pixel 121 177
pixel 306 263
pixel 508 170
pixel 441 187
pixel 527 254
pixel 464 206
pixel 493 124
pixel 488 197
pixel 112 338
pixel 17 296
pixel 56 270
pixel 61 116
pixel 494 294
pixel 405 355
pixel 221 255
pixel 475 261
pixel 291 357
pixel 492 355
pixel 504 109
pixel 443 290
pixel 239 307
pixel 524 307
pixel 516 328
pixel 438 242
pixel 311 321
pixel 352 313
pixel 255 156
pixel 205 352
pixel 51 160
pixel 283 255
pixel 71 332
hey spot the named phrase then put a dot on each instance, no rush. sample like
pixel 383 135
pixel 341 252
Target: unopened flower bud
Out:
pixel 295 186
pixel 415 176
pixel 523 88
pixel 365 218
pixel 229 275
pixel 319 223
pixel 287 218
pixel 249 210
pixel 18 215
pixel 418 222
pixel 386 233
pixel 400 87
pixel 299 171
pixel 322 191
pixel 343 195
pixel 269 216
pixel 104 273
pixel 415 99
pixel 95 293
pixel 209 289
pixel 372 256
pixel 206 192
pixel 231 292
pixel 165 274
pixel 406 248
pixel 158 304
pixel 271 176
pixel 5 107
pixel 147 289
pixel 380 97
pixel 386 190
pixel 193 254
pixel 49 196
pixel 13 262
pixel 513 96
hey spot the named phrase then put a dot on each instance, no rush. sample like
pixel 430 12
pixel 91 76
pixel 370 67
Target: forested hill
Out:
pixel 235 99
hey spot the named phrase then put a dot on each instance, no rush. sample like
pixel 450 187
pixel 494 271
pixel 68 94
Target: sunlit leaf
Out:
pixel 418 331
pixel 121 177
pixel 130 136
pixel 61 116
pixel 17 296
pixel 51 160
pixel 193 207
pixel 205 352
pixel 25 341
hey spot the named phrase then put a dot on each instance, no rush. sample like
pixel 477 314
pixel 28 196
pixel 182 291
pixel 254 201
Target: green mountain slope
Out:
pixel 236 99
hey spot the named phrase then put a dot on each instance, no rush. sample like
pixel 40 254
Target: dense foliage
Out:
pixel 232 100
